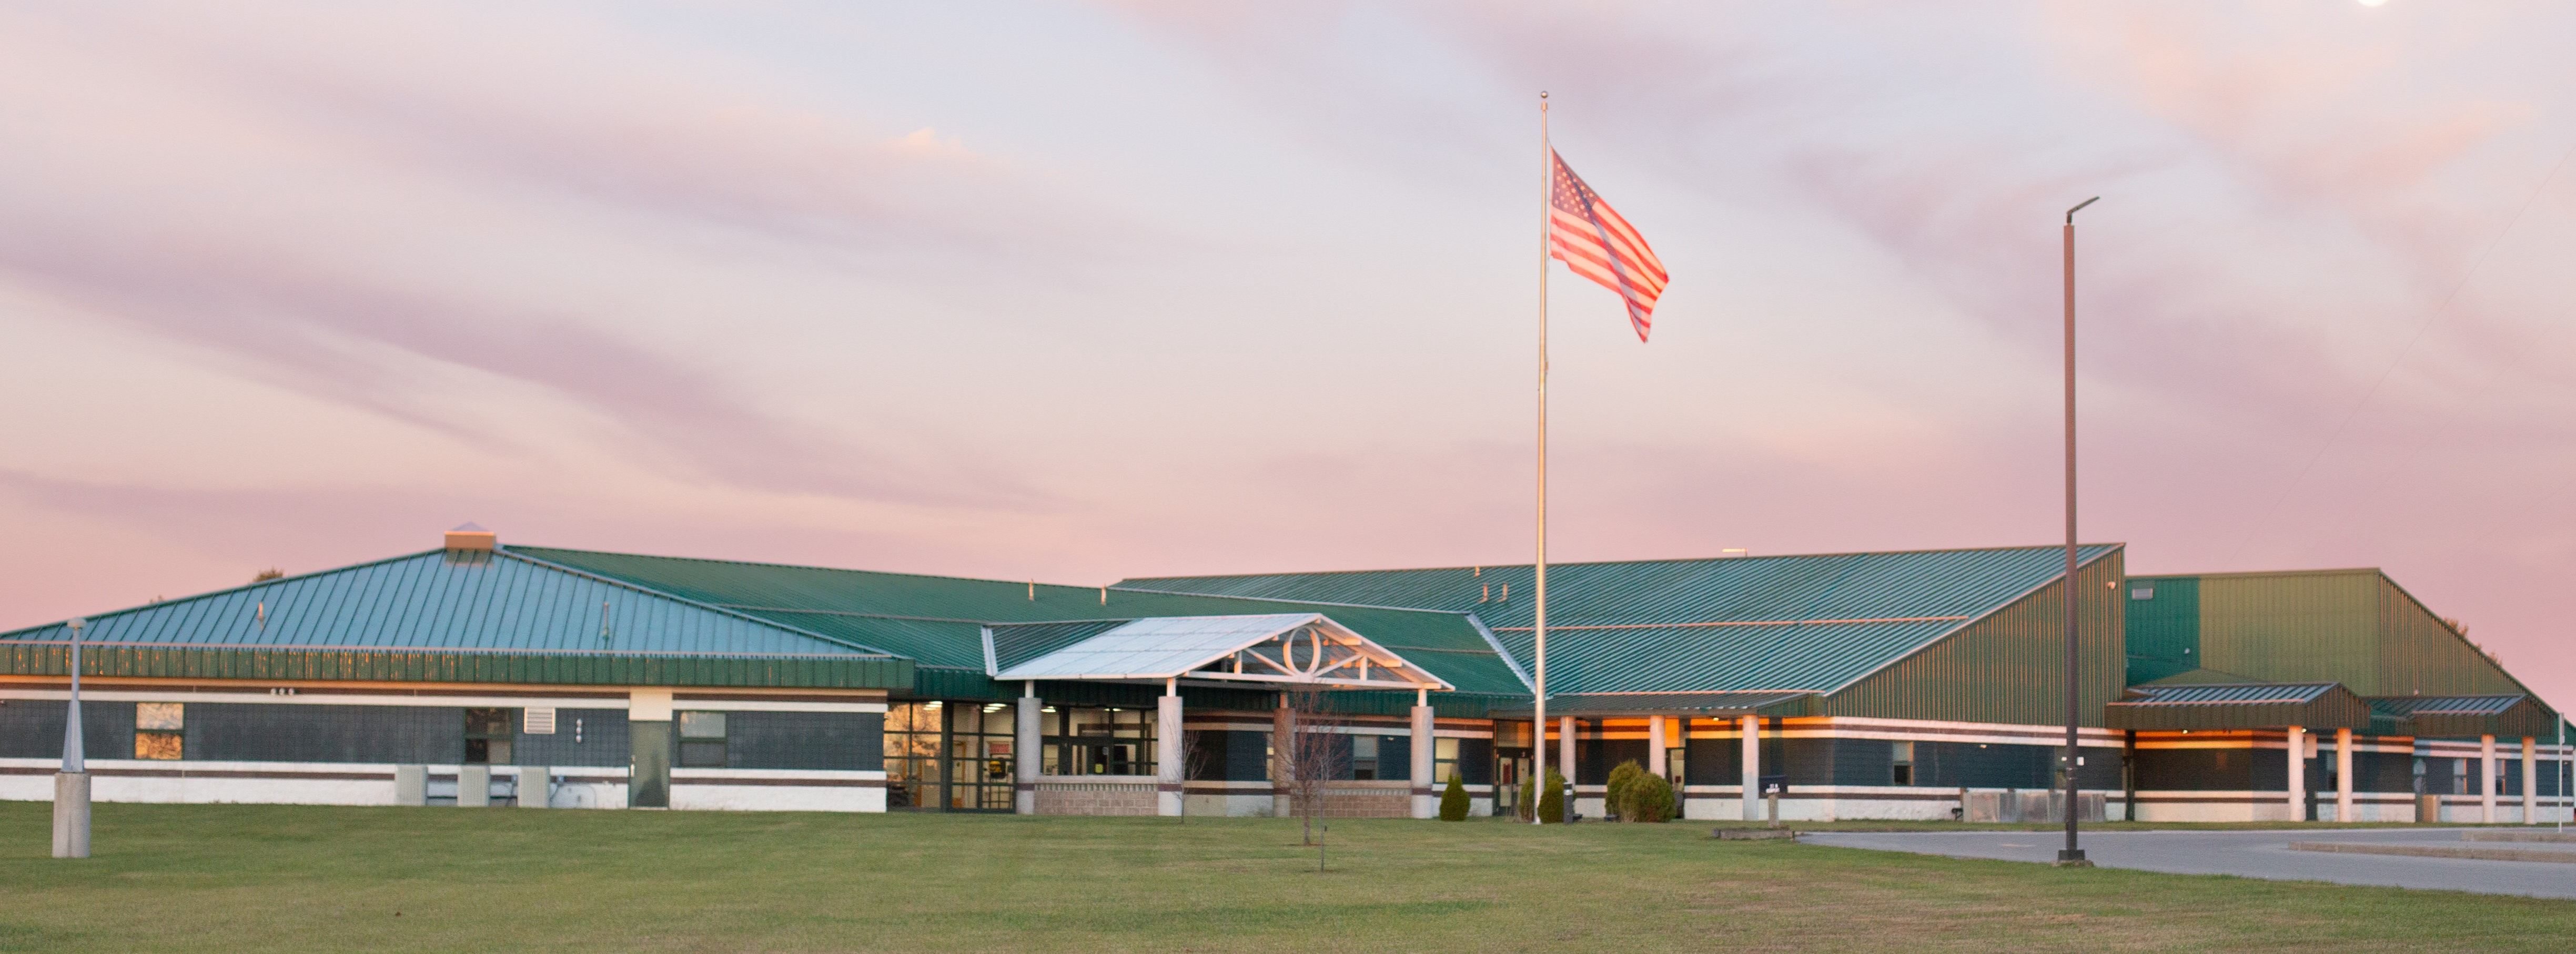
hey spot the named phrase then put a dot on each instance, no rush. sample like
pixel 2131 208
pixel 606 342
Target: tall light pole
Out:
pixel 71 785
pixel 2072 856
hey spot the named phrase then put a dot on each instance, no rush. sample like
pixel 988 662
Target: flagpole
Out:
pixel 1538 735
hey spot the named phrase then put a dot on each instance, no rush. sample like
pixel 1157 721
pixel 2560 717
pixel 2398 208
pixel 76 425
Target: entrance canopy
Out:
pixel 1272 648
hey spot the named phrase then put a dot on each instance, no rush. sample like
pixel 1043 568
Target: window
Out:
pixel 159 729
pixel 2459 776
pixel 912 732
pixel 1444 760
pixel 955 755
pixel 487 736
pixel 1904 763
pixel 1364 757
pixel 1081 740
pixel 702 740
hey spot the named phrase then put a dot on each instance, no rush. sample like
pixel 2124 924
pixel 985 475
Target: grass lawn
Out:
pixel 215 878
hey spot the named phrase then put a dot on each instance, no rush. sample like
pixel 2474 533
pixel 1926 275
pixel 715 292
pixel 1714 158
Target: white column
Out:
pixel 1565 750
pixel 2343 775
pixel 1026 749
pixel 1167 750
pixel 1655 746
pixel 1426 797
pixel 2486 779
pixel 2298 764
pixel 1752 768
pixel 2530 781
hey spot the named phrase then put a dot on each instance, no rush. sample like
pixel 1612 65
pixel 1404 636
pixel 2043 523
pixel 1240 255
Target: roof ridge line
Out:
pixel 435 650
pixel 823 612
pixel 710 607
pixel 1554 564
pixel 1752 622
pixel 2320 571
pixel 1987 612
pixel 255 584
pixel 1282 599
pixel 826 569
pixel 1509 662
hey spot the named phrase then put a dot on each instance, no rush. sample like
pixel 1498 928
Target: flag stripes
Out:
pixel 1594 241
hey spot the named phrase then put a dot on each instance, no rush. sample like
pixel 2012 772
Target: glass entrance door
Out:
pixel 944 755
pixel 1511 768
pixel 979 757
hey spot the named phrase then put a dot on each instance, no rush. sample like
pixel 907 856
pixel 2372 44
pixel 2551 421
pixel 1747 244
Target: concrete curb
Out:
pixel 2541 836
pixel 2437 851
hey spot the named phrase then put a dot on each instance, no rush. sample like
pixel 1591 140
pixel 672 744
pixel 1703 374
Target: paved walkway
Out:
pixel 2250 854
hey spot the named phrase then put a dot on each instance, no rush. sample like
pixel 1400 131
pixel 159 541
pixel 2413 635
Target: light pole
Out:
pixel 71 785
pixel 2072 856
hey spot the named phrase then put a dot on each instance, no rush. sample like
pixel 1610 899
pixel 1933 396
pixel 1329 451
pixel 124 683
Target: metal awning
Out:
pixel 2314 705
pixel 1308 648
pixel 2507 716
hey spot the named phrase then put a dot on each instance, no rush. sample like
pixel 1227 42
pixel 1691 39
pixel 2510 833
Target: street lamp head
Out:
pixel 2079 207
pixel 77 624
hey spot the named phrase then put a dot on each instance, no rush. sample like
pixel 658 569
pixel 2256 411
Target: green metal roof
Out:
pixel 455 616
pixel 1014 644
pixel 1744 624
pixel 938 620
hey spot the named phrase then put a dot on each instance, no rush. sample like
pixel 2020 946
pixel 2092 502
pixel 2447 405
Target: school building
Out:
pixel 1920 684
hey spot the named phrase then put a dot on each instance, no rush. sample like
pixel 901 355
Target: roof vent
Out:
pixel 471 537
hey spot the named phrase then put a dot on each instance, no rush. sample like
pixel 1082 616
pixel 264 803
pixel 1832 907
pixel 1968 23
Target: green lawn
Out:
pixel 213 878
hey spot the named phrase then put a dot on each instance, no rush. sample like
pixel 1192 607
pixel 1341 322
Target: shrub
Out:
pixel 1453 803
pixel 1615 800
pixel 1650 799
pixel 1551 803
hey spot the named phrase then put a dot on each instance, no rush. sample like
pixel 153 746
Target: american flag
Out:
pixel 1590 238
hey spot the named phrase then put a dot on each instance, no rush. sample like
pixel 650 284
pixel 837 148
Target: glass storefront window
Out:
pixel 953 755
pixel 1098 740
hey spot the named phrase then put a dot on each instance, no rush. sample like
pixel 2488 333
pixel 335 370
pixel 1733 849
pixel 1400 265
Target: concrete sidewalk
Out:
pixel 2249 854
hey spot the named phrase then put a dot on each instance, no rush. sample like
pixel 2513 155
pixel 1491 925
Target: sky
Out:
pixel 1080 291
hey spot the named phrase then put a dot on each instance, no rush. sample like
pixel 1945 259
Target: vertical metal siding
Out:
pixel 2292 627
pixel 2163 630
pixel 2418 654
pixel 2006 668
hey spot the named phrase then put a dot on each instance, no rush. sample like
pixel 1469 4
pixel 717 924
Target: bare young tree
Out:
pixel 1311 756
pixel 1195 756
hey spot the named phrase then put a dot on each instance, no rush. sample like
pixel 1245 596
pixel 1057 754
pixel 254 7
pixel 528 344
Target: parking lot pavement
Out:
pixel 2249 854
